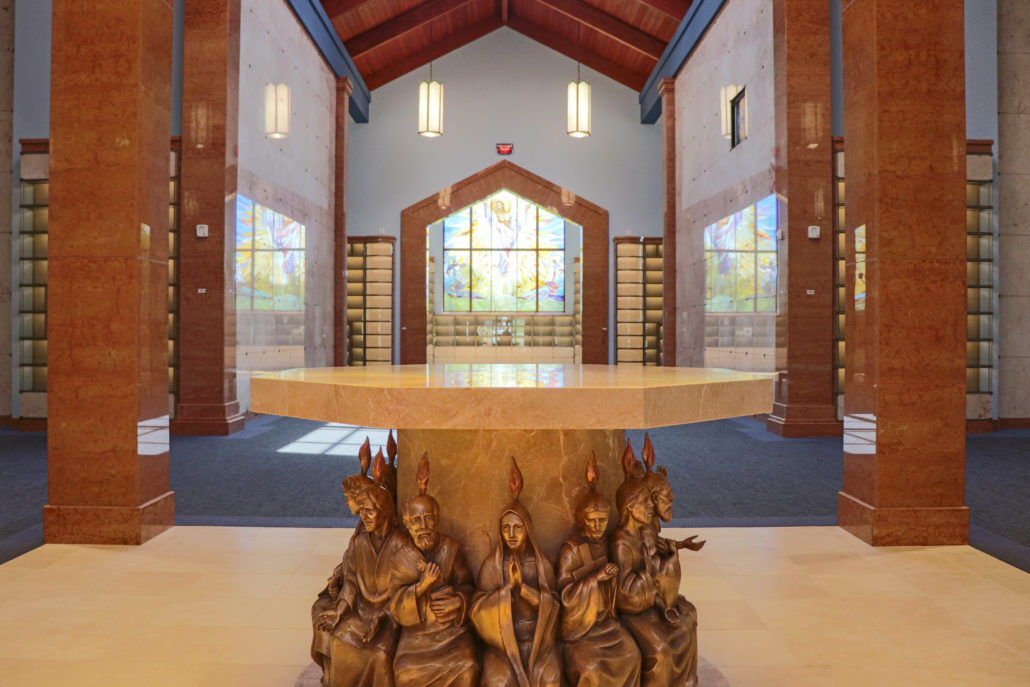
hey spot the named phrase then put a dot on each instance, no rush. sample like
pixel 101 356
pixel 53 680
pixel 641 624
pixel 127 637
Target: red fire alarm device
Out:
pixel 505 148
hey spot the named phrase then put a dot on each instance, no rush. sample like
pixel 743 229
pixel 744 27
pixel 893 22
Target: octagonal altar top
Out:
pixel 512 396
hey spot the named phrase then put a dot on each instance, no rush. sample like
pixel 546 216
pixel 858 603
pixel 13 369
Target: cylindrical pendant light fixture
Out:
pixel 578 117
pixel 430 108
pixel 277 110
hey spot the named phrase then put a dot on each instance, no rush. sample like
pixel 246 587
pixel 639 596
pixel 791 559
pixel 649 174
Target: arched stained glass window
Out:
pixel 504 254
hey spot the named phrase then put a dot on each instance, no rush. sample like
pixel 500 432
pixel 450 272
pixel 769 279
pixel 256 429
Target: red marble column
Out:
pixel 207 310
pixel 110 118
pixel 344 87
pixel 667 89
pixel 905 402
pixel 804 401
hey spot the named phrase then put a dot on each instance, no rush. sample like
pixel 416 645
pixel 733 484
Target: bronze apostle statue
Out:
pixel 402 608
pixel 362 633
pixel 597 649
pixel 663 623
pixel 431 602
pixel 515 609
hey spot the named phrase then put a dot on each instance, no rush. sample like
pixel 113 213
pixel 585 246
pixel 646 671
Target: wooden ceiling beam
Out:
pixel 626 77
pixel 417 16
pixel 335 7
pixel 610 26
pixel 434 51
pixel 674 9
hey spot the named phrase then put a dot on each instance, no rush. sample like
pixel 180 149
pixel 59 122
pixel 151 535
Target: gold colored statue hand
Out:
pixel 607 572
pixel 691 544
pixel 514 573
pixel 431 575
pixel 326 621
pixel 446 607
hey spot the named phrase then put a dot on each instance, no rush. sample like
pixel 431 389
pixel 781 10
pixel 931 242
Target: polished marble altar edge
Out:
pixel 512 408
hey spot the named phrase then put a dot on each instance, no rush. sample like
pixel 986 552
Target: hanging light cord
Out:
pixel 579 49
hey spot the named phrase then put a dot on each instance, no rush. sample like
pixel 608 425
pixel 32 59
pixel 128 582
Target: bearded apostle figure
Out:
pixel 663 624
pixel 362 633
pixel 667 558
pixel 597 649
pixel 431 601
pixel 515 609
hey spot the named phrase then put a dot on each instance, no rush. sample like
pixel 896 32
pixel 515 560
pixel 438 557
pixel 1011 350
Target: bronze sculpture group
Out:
pixel 403 609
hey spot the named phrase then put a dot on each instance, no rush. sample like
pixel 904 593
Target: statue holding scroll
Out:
pixel 663 623
pixel 363 636
pixel 597 649
pixel 431 602
pixel 515 609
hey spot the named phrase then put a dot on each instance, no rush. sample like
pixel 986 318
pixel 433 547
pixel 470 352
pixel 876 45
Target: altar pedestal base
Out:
pixel 469 477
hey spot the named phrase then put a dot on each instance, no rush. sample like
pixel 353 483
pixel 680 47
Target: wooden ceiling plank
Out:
pixel 335 7
pixel 610 26
pixel 674 9
pixel 626 77
pixel 434 51
pixel 400 25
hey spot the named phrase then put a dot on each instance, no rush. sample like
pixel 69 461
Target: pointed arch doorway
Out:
pixel 504 175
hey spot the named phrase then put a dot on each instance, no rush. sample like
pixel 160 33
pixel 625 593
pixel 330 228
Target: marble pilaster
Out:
pixel 207 402
pixel 805 400
pixel 107 439
pixel 905 401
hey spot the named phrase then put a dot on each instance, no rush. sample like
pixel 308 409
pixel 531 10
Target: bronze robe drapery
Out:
pixel 526 655
pixel 326 601
pixel 598 651
pixel 363 641
pixel 669 650
pixel 431 653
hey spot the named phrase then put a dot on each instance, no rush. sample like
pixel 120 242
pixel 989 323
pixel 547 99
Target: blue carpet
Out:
pixel 726 473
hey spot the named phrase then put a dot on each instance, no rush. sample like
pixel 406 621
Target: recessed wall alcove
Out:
pixel 504 175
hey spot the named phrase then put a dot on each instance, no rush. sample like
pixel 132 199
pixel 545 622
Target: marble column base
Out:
pixel 108 524
pixel 796 420
pixel 207 419
pixel 469 472
pixel 935 526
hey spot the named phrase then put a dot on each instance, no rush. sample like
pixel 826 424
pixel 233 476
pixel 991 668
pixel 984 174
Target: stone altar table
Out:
pixel 471 418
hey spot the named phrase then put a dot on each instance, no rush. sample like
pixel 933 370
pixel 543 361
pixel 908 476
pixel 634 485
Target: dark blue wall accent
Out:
pixel 687 36
pixel 312 15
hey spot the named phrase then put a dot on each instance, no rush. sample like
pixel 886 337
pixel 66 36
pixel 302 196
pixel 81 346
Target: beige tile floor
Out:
pixel 206 606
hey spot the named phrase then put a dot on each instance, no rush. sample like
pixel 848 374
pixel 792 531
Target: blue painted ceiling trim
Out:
pixel 699 17
pixel 312 15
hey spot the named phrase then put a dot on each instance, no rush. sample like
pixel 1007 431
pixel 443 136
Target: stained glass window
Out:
pixel 269 259
pixel 504 254
pixel 740 260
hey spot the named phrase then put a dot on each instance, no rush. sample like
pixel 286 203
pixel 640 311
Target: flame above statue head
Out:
pixel 422 476
pixel 515 481
pixel 365 456
pixel 379 468
pixel 391 449
pixel 592 473
pixel 648 453
pixel 631 467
